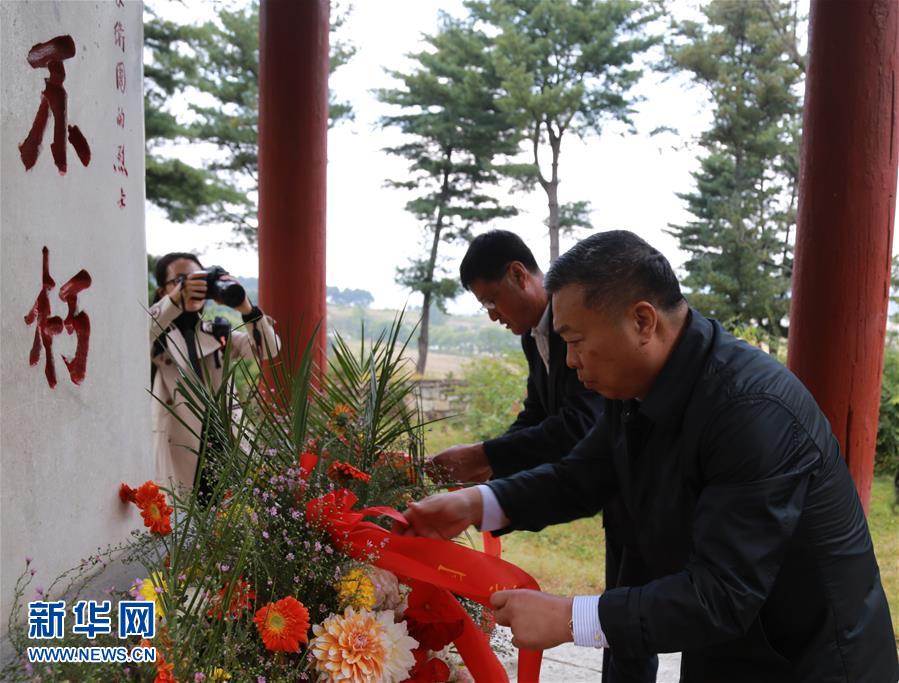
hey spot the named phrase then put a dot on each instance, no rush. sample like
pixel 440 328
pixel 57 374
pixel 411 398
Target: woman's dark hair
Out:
pixel 490 254
pixel 162 266
pixel 616 268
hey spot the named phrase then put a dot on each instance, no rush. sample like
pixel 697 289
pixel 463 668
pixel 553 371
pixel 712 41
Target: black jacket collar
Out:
pixel 668 396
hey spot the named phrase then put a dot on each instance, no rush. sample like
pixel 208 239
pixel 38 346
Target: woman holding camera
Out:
pixel 183 343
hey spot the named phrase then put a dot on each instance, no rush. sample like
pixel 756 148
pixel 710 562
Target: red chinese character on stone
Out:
pixel 50 55
pixel 120 118
pixel 119 165
pixel 120 77
pixel 121 202
pixel 77 323
pixel 119 32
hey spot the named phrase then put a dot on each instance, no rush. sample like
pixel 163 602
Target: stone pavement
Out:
pixel 569 664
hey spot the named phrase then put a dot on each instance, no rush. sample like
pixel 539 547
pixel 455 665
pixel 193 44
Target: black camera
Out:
pixel 224 291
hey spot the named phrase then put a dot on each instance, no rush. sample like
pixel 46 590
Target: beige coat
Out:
pixel 173 443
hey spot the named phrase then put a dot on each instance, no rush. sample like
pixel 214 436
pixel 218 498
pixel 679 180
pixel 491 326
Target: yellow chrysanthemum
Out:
pixel 146 589
pixel 219 674
pixel 363 646
pixel 356 590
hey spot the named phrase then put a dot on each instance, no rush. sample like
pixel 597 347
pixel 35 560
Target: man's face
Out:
pixel 606 348
pixel 506 301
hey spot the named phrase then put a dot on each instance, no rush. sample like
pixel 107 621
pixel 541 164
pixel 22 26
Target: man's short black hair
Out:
pixel 616 268
pixel 490 254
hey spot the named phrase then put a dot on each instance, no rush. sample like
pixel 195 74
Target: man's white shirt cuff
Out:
pixel 585 622
pixel 492 516
pixel 584 611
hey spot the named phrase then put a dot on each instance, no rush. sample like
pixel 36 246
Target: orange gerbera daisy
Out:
pixel 283 625
pixel 343 471
pixel 153 508
pixel 341 416
pixel 342 410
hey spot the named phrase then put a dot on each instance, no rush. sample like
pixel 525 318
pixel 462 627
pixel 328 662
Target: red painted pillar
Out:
pixel 850 146
pixel 293 127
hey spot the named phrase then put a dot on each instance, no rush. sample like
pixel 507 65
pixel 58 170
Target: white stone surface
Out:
pixel 569 664
pixel 64 450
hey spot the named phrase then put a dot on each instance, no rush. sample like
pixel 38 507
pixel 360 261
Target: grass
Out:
pixel 883 520
pixel 566 559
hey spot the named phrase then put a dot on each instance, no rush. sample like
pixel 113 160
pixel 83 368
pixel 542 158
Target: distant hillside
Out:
pixel 464 335
pixel 450 334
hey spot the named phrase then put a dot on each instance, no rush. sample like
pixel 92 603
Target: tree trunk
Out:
pixel 423 335
pixel 552 193
pixel 426 300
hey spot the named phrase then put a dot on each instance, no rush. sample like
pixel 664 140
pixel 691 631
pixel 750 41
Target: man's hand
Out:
pixel 445 515
pixel 466 462
pixel 538 620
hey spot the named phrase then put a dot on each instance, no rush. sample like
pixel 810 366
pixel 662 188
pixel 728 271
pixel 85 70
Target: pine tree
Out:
pixel 215 67
pixel 566 66
pixel 739 241
pixel 184 192
pixel 455 131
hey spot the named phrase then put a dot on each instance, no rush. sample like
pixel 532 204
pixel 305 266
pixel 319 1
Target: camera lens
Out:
pixel 231 293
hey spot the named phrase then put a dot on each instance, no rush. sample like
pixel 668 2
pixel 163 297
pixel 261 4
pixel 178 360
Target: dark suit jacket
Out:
pixel 558 412
pixel 760 565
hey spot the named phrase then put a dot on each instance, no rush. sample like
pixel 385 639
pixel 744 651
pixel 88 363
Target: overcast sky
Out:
pixel 632 181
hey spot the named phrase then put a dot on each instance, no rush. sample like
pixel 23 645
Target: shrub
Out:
pixel 492 395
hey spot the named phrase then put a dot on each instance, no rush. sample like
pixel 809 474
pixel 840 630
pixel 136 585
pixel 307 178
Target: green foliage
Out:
pixel 744 204
pixel 216 64
pixel 894 290
pixel 564 66
pixel 184 192
pixel 760 337
pixel 886 460
pixel 492 394
pixel 454 130
pixel 574 216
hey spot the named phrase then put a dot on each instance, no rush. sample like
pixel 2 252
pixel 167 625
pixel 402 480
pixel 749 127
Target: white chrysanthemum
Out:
pixel 398 645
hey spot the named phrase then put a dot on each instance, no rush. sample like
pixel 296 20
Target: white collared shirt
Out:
pixel 541 336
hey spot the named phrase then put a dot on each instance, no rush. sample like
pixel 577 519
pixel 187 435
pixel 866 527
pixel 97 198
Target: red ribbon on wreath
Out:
pixel 444 565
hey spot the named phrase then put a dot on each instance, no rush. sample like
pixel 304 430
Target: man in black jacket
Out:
pixel 759 562
pixel 500 270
